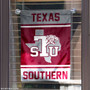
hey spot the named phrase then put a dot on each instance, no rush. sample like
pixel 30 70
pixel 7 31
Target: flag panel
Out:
pixel 46 46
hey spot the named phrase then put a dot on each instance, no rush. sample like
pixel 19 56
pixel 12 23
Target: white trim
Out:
pixel 71 82
pixel 46 26
pixel 44 65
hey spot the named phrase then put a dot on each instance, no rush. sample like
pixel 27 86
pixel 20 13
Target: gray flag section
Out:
pixel 27 17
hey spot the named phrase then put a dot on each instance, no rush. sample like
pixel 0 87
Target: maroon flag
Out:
pixel 45 45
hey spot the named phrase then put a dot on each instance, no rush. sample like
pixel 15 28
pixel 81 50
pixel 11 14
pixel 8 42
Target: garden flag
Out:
pixel 45 45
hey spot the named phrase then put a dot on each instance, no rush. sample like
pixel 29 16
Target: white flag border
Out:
pixel 45 65
pixel 47 26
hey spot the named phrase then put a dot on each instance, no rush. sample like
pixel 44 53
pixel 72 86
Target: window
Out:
pixel 15 42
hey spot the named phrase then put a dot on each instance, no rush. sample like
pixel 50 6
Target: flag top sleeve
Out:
pixel 45 16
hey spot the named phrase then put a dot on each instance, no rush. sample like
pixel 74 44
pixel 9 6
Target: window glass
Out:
pixel 15 43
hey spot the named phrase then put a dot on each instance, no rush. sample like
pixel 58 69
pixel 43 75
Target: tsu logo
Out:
pixel 48 46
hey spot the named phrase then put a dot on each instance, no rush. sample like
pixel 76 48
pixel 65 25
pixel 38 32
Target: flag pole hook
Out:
pixel 17 11
pixel 73 10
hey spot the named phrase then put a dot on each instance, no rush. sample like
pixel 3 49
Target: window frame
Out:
pixel 85 55
pixel 4 44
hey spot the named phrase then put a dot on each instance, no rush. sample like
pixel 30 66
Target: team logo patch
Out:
pixel 48 46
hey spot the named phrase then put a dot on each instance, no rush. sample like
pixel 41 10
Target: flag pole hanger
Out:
pixel 73 10
pixel 18 11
